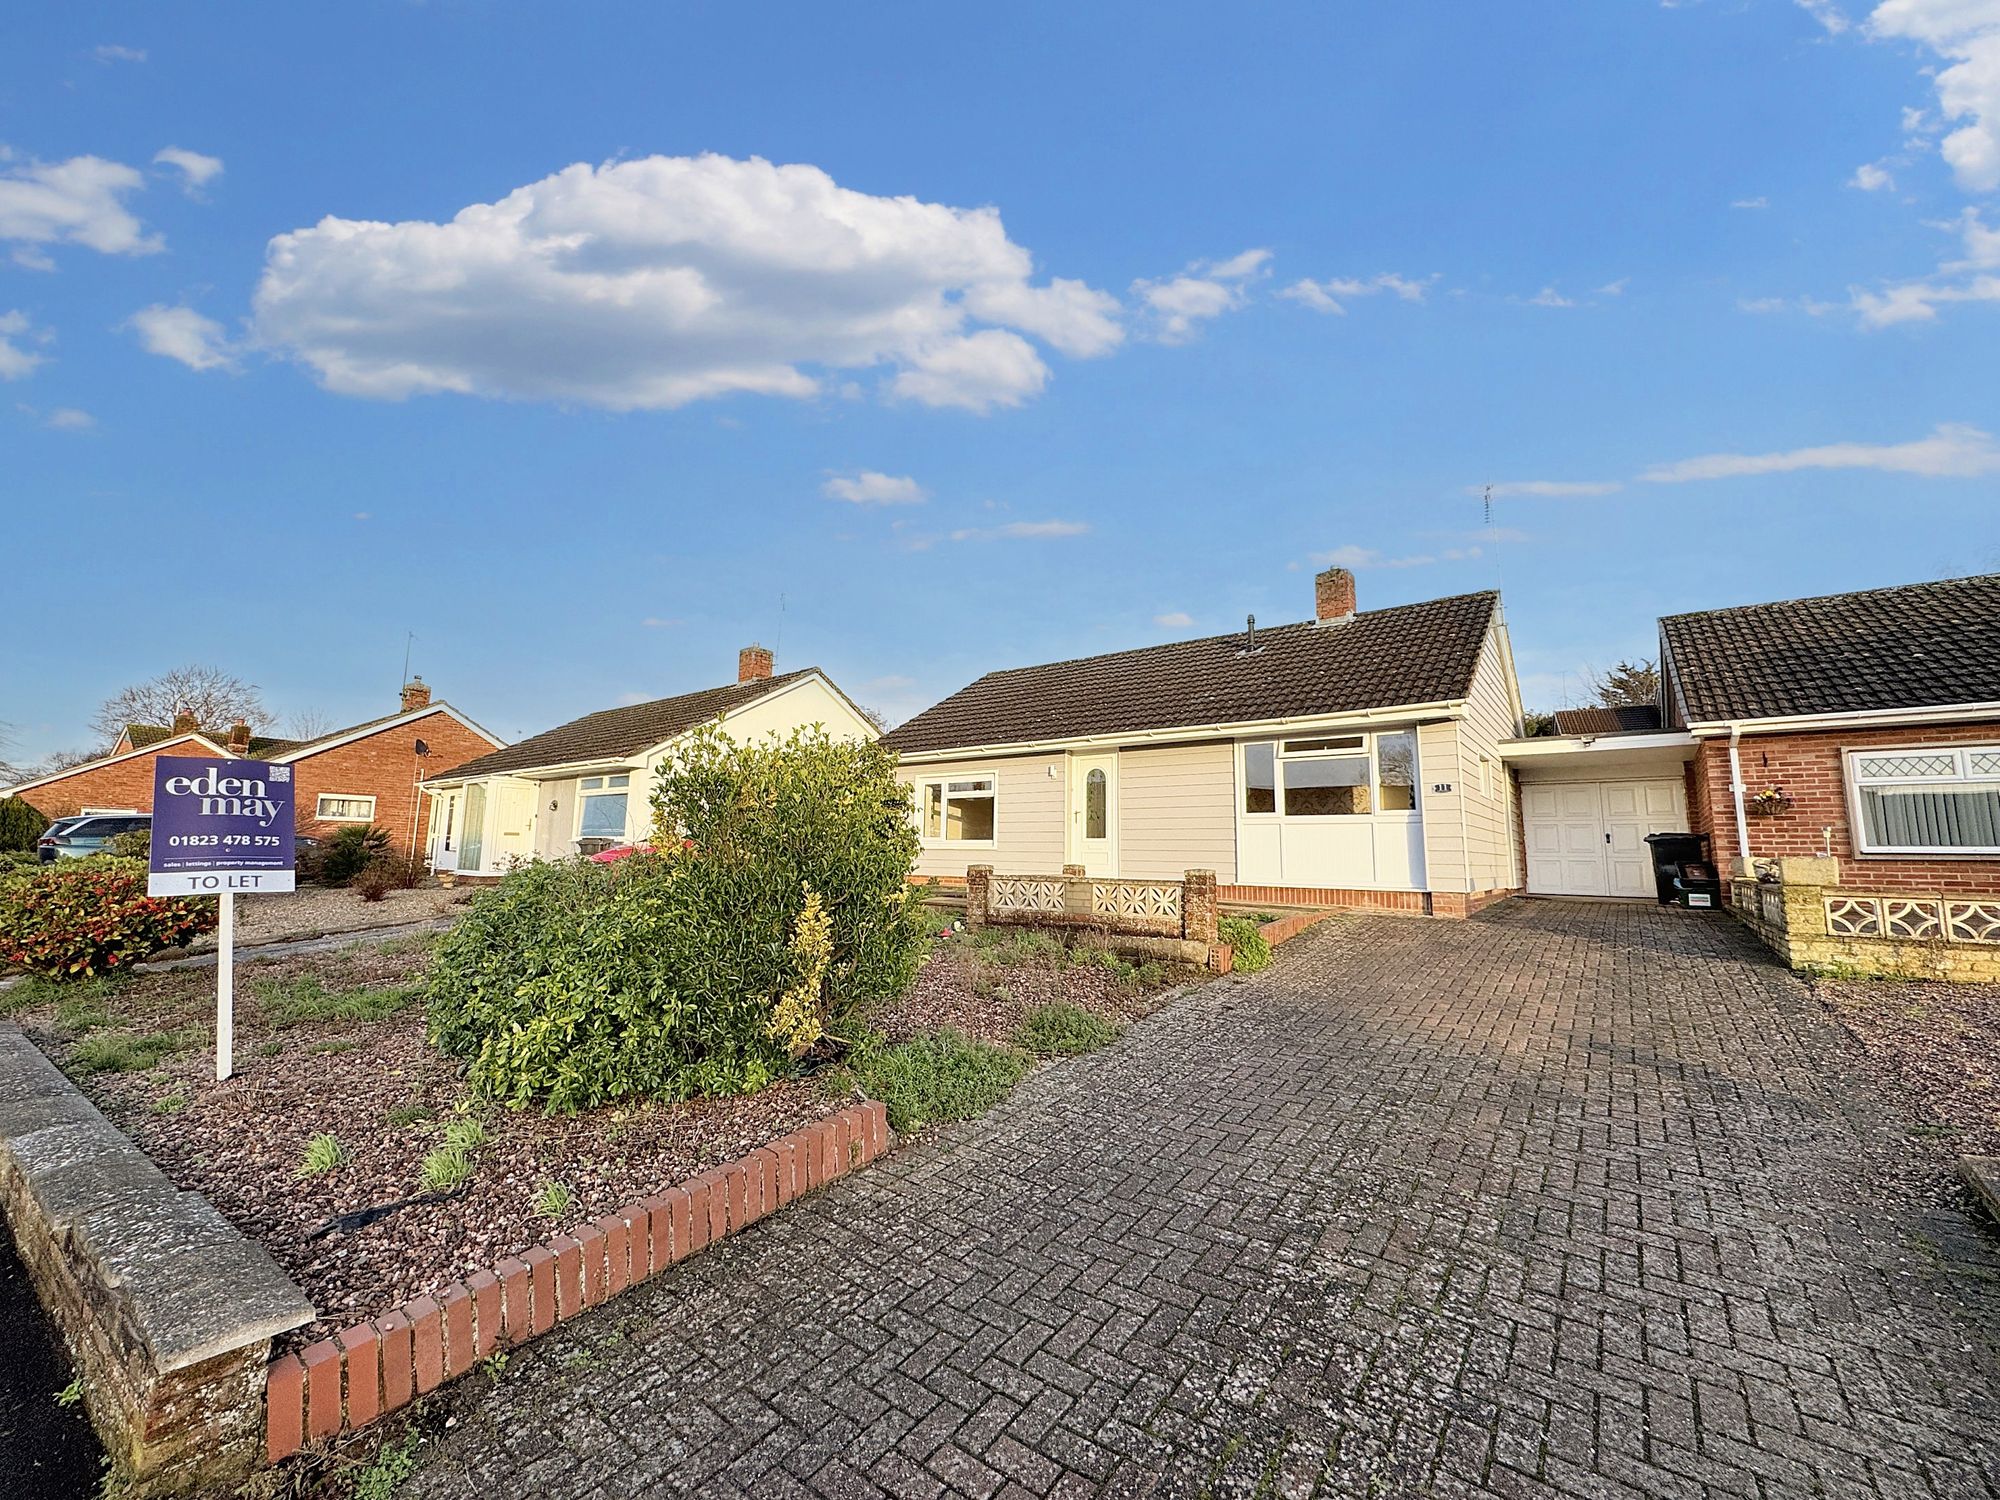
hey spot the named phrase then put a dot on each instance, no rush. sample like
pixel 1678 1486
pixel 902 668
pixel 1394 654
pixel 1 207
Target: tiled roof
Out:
pixel 1412 653
pixel 1625 718
pixel 139 736
pixel 615 732
pixel 1920 646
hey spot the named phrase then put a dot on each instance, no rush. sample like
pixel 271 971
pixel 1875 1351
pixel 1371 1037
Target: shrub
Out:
pixel 135 843
pixel 775 912
pixel 323 1153
pixel 1252 951
pixel 21 824
pixel 446 1167
pixel 943 1076
pixel 80 917
pixel 1061 1029
pixel 349 851
pixel 375 882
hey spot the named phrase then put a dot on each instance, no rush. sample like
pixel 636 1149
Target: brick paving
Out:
pixel 1567 1200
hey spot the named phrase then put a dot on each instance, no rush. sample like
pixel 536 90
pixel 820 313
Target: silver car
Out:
pixel 86 833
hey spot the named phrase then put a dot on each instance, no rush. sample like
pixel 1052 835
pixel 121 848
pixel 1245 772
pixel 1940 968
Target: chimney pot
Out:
pixel 416 694
pixel 753 664
pixel 239 738
pixel 1333 595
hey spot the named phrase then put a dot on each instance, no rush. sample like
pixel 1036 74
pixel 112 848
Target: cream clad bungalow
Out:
pixel 1351 760
pixel 587 785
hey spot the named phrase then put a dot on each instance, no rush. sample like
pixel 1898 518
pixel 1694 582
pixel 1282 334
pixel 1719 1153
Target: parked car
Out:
pixel 86 833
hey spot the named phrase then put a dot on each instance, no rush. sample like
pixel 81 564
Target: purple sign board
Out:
pixel 220 826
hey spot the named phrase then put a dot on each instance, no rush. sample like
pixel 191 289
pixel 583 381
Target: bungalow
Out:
pixel 1349 760
pixel 365 773
pixel 586 785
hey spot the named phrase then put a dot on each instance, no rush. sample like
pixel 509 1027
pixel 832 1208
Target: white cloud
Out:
pixel 1548 296
pixel 1351 556
pixel 1829 15
pixel 1206 289
pixel 1871 178
pixel 111 52
pixel 1020 530
pixel 1974 277
pixel 69 419
pixel 196 170
pixel 1174 619
pixel 79 201
pixel 869 487
pixel 182 333
pixel 1752 203
pixel 1327 296
pixel 666 280
pixel 1548 489
pixel 16 362
pixel 1952 451
pixel 1966 35
pixel 1615 288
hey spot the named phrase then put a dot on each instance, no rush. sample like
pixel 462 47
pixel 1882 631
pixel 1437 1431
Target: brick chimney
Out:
pixel 184 723
pixel 416 695
pixel 753 664
pixel 239 738
pixel 1333 595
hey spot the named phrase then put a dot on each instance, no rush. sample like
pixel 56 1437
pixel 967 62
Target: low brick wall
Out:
pixel 364 1372
pixel 1809 916
pixel 1172 919
pixel 167 1310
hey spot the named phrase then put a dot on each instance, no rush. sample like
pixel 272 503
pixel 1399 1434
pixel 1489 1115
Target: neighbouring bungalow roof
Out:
pixel 262 747
pixel 1380 658
pixel 1625 718
pixel 1923 645
pixel 614 732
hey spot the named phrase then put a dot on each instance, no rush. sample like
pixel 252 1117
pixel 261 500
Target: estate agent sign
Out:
pixel 220 828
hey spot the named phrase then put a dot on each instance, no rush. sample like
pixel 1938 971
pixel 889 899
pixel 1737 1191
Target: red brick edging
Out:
pixel 1284 929
pixel 373 1368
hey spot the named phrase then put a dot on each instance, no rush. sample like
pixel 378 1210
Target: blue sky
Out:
pixel 593 342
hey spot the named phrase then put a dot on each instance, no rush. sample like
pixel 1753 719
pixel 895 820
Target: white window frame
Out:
pixel 604 788
pixel 1369 747
pixel 321 815
pixel 1961 775
pixel 923 784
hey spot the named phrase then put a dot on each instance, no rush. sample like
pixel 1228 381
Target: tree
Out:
pixel 216 700
pixel 1628 683
pixel 20 824
pixel 308 724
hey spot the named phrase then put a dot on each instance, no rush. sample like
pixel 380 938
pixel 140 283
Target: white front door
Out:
pixel 1093 813
pixel 1588 838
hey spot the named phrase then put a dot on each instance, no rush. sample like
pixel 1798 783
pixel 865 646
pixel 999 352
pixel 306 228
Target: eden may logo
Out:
pixel 226 796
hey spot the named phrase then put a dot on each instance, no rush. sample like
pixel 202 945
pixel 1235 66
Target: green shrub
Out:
pixel 349 851
pixel 772 914
pixel 21 824
pixel 79 917
pixel 1252 951
pixel 134 843
pixel 323 1153
pixel 943 1076
pixel 1061 1029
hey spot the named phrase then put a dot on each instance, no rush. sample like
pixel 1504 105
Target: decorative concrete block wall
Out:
pixel 1803 909
pixel 1175 919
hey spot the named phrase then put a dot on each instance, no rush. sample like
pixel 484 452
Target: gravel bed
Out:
pixel 1942 1043
pixel 984 996
pixel 315 911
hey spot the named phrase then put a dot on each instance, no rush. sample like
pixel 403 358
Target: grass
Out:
pixel 401 1116
pixel 169 1104
pixel 553 1201
pixel 129 1051
pixel 70 1394
pixel 464 1133
pixel 1016 945
pixel 1061 1029
pixel 446 1167
pixel 943 1076
pixel 393 1467
pixel 323 1153
pixel 305 1000
pixel 1132 976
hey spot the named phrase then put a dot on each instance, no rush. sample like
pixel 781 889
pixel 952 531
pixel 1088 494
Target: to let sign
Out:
pixel 220 827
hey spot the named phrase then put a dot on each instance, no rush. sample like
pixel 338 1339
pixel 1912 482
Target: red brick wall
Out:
pixel 128 783
pixel 384 766
pixel 1808 767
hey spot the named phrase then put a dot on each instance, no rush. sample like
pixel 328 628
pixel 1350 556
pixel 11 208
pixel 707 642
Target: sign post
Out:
pixel 220 828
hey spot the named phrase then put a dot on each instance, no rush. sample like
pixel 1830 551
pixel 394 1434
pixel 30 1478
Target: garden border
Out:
pixel 366 1371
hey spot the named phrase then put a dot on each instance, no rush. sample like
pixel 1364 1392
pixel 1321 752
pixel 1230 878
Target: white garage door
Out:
pixel 1588 838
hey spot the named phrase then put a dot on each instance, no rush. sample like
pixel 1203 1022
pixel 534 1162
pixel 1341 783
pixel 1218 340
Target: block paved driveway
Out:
pixel 1564 1201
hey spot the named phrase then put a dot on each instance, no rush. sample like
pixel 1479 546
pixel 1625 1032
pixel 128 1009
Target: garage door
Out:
pixel 1588 838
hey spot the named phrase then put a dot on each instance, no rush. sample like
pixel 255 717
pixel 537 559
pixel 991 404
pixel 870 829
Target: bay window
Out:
pixel 1941 799
pixel 1331 775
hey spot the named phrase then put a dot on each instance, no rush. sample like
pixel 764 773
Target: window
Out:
pixel 1094 800
pixel 601 806
pixel 1396 771
pixel 1933 800
pixel 1260 779
pixel 340 807
pixel 1327 787
pixel 1320 747
pixel 958 810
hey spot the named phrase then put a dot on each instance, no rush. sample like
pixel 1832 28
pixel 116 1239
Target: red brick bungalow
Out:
pixel 367 773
